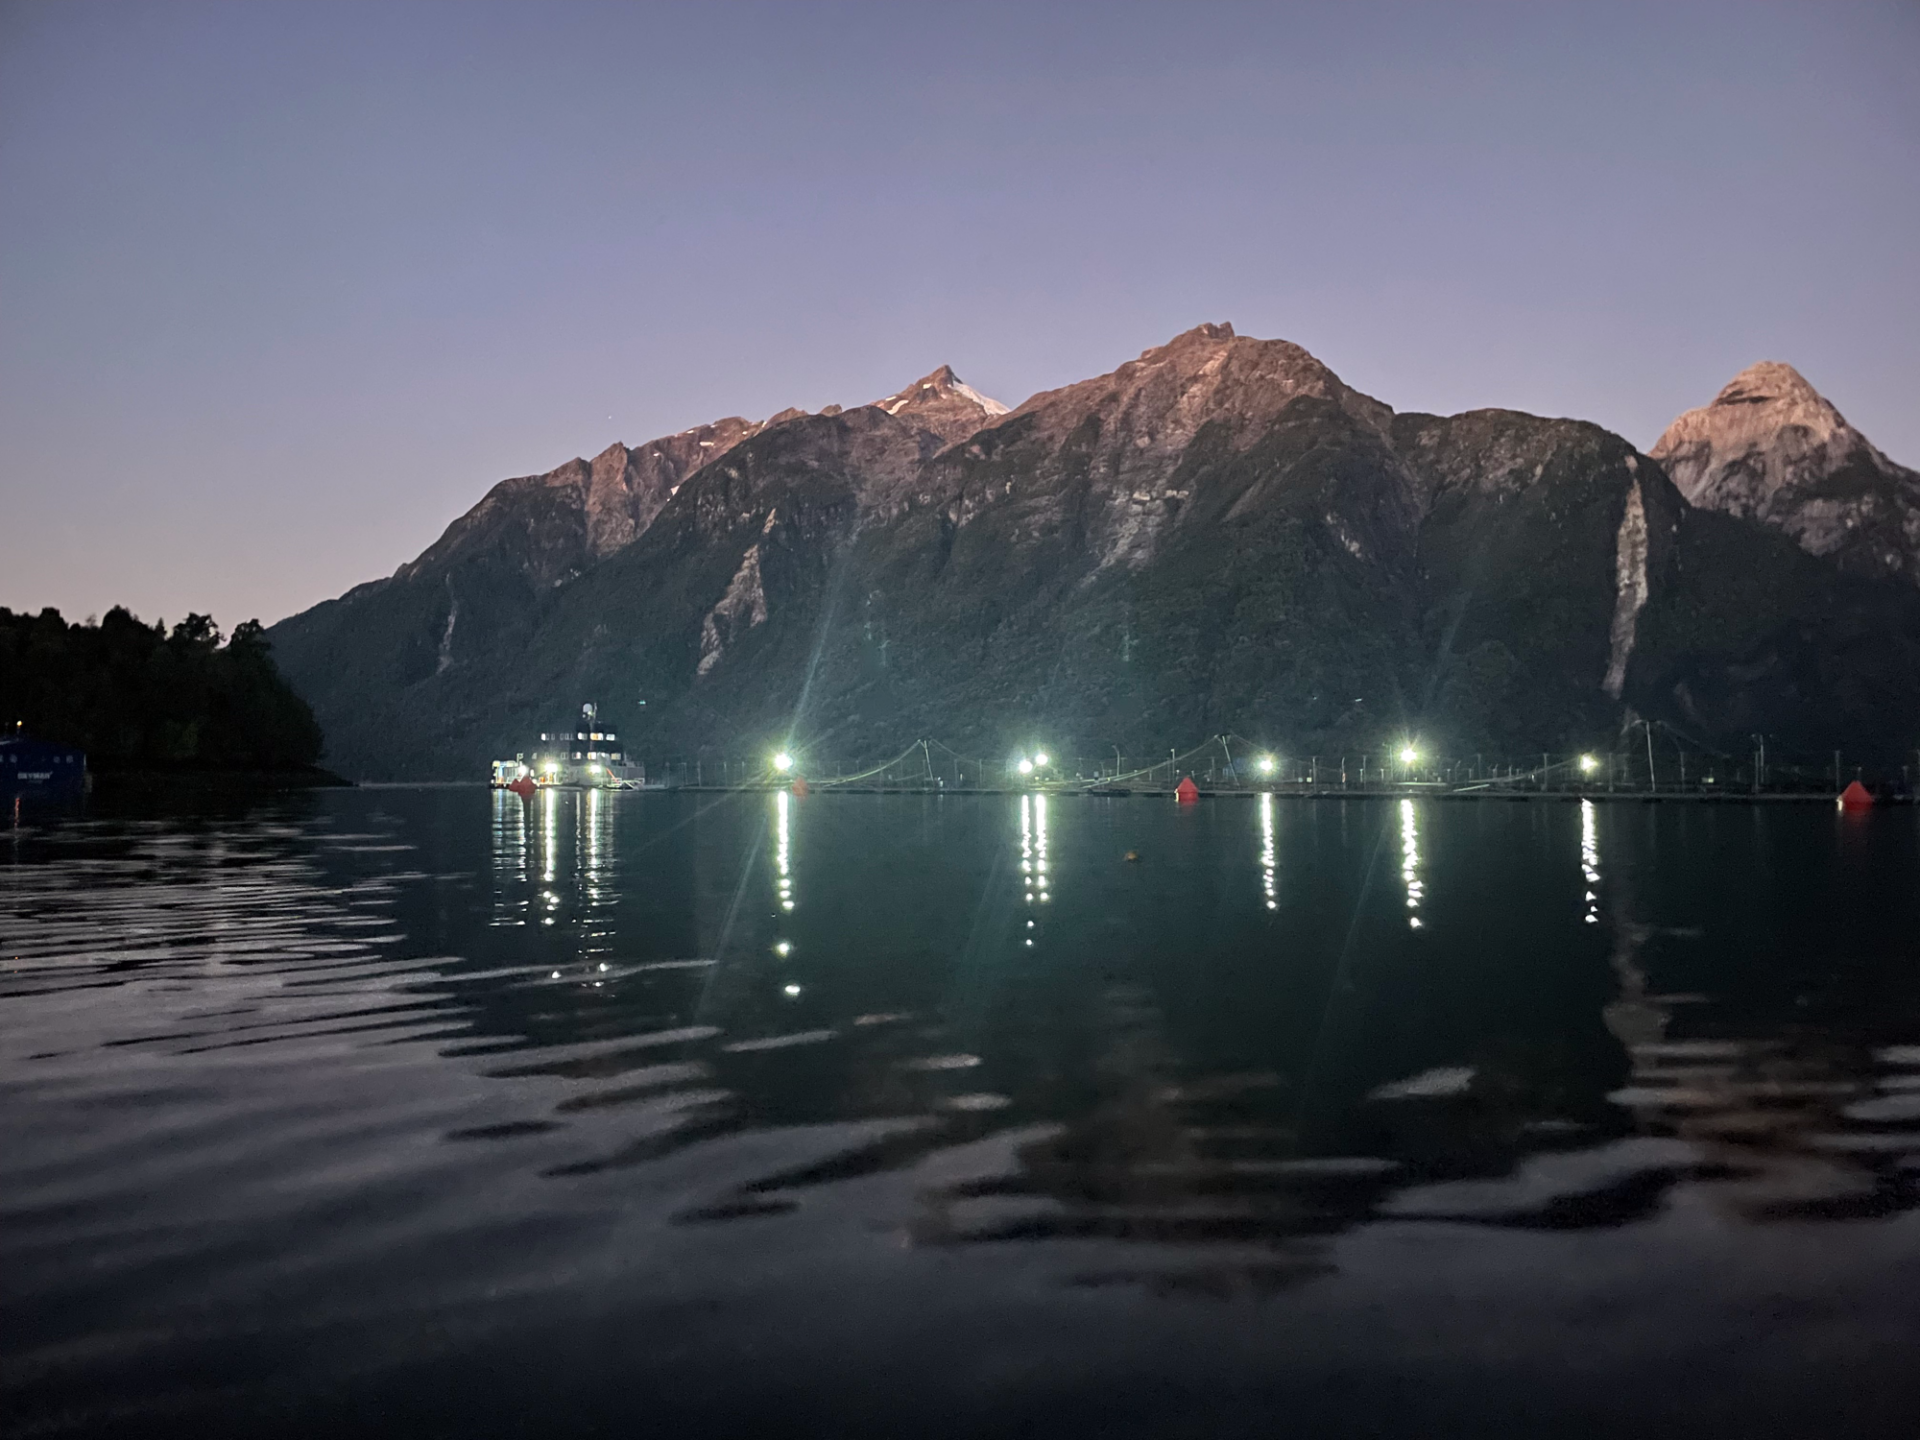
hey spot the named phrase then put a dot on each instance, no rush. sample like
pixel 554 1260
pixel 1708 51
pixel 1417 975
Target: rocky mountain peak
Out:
pixel 1208 373
pixel 1767 430
pixel 1114 459
pixel 1770 381
pixel 944 404
pixel 1773 448
pixel 1203 334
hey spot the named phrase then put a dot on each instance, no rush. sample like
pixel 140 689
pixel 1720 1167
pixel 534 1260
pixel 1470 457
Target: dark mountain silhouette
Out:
pixel 1219 535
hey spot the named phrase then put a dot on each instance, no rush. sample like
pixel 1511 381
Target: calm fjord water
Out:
pixel 412 1112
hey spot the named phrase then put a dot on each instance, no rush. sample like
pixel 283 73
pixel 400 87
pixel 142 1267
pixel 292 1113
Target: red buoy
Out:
pixel 1186 792
pixel 1856 797
pixel 523 787
pixel 800 785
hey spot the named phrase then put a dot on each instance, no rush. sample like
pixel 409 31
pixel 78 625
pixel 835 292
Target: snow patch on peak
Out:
pixel 938 386
pixel 944 405
pixel 985 402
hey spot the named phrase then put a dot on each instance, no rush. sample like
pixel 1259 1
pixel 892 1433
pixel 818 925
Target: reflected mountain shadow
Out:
pixel 1544 1125
pixel 1103 1119
pixel 1196 1084
pixel 1816 1121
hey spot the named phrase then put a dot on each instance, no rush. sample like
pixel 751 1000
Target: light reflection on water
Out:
pixel 1034 880
pixel 1410 861
pixel 1590 860
pixel 1268 860
pixel 227 1026
pixel 783 849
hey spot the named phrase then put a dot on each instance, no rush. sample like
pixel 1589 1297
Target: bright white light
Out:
pixel 792 990
pixel 1266 764
pixel 552 767
pixel 593 769
pixel 1040 757
pixel 603 964
pixel 1409 755
pixel 1588 764
pixel 556 975
pixel 785 947
pixel 1026 767
pixel 783 762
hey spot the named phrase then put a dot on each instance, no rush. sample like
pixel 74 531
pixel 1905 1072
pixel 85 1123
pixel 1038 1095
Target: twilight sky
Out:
pixel 285 288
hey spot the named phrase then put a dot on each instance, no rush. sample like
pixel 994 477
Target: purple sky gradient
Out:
pixel 285 288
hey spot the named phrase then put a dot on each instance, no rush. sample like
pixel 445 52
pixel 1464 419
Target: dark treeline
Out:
pixel 136 696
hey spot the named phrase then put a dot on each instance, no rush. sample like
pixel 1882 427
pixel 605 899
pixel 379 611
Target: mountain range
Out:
pixel 1219 535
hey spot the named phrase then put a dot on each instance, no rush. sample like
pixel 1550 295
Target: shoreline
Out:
pixel 1162 793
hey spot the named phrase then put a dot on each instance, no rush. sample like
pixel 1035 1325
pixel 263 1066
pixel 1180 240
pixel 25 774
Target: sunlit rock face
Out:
pixel 1120 456
pixel 943 404
pixel 553 525
pixel 1771 448
pixel 1218 536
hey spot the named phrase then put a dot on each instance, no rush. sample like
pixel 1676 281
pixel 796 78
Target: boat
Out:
pixel 584 755
pixel 34 768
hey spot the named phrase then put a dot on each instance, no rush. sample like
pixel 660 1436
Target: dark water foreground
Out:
pixel 404 1113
